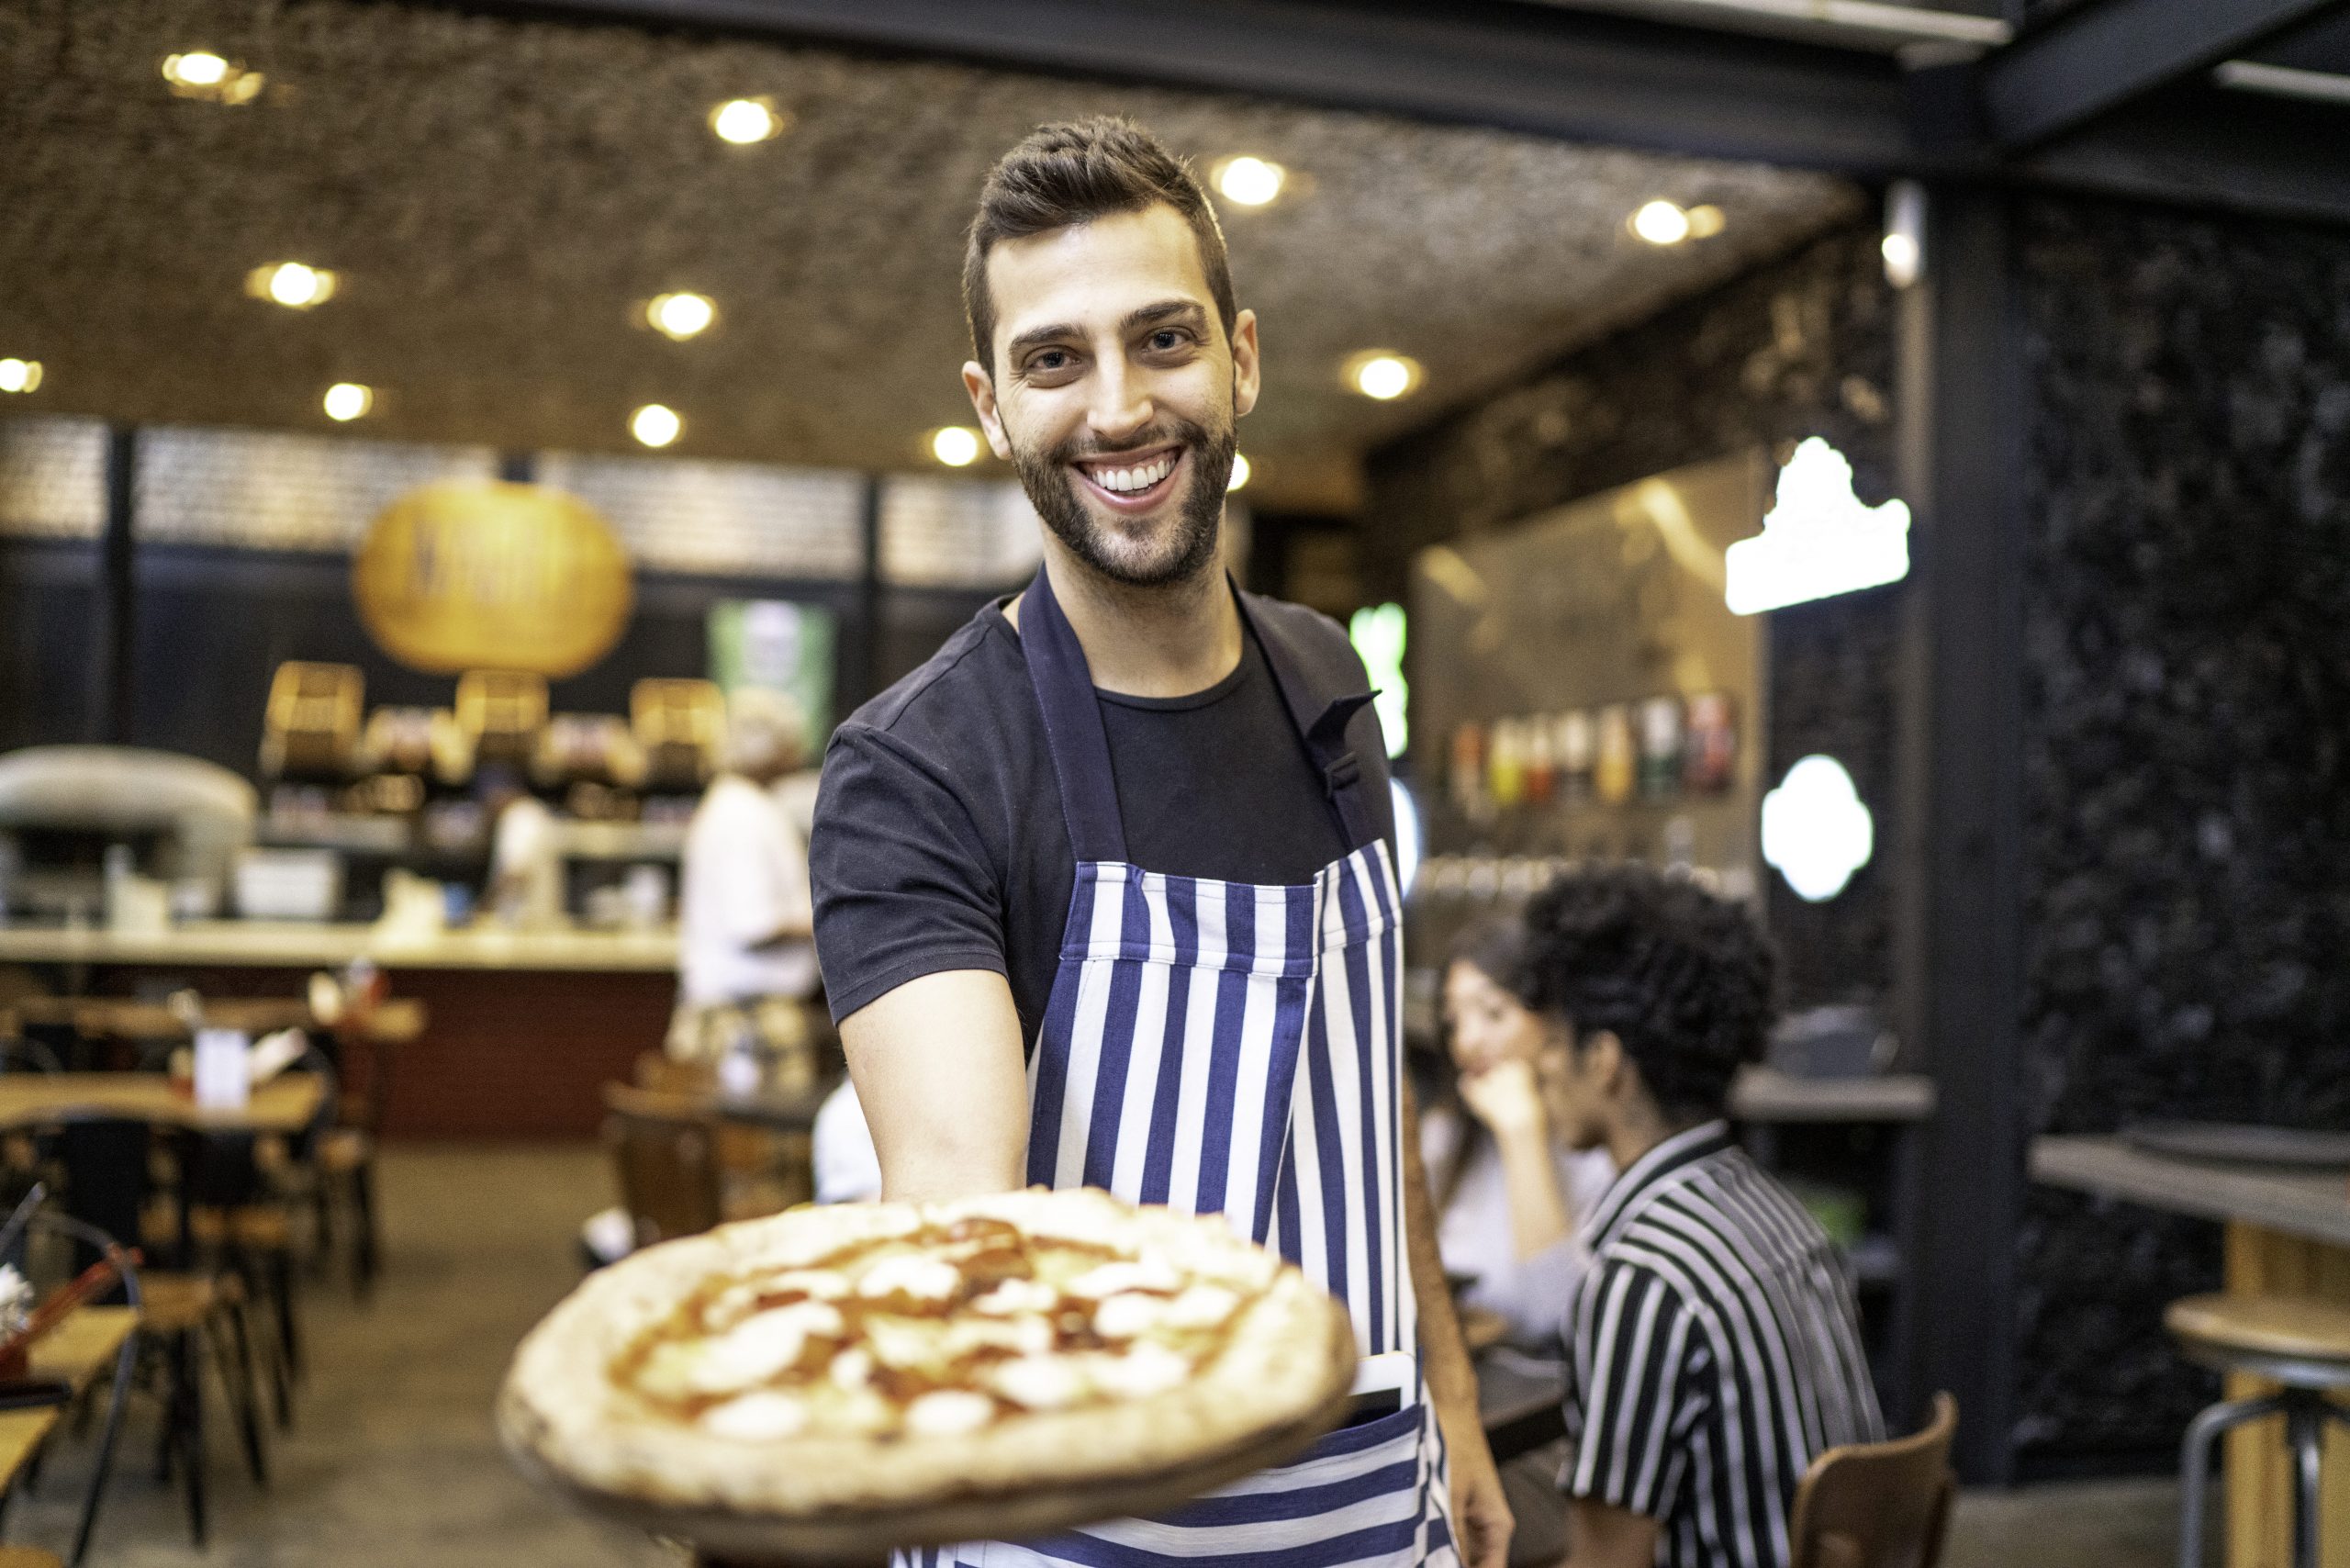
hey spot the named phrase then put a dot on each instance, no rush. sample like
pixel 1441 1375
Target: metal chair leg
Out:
pixel 2305 1434
pixel 365 1240
pixel 237 1378
pixel 2195 1464
pixel 103 1462
pixel 186 1371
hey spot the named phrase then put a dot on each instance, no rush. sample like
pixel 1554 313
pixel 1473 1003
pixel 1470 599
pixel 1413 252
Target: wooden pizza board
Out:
pixel 724 1539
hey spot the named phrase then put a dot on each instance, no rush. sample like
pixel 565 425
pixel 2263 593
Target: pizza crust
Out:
pixel 1285 1361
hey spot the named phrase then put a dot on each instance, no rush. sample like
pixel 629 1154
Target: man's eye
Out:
pixel 1050 360
pixel 1168 338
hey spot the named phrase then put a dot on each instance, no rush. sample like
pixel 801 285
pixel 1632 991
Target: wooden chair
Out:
pixel 1877 1505
pixel 186 1313
pixel 665 1153
pixel 92 1341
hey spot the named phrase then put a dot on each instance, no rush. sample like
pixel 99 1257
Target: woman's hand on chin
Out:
pixel 1506 1097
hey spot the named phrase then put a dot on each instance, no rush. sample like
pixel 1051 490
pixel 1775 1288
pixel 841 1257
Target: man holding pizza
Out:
pixel 1105 891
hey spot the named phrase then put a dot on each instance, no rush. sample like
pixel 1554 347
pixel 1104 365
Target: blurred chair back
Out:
pixel 665 1153
pixel 1877 1505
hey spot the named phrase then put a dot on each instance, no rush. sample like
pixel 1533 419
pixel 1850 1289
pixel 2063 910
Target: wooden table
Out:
pixel 75 1352
pixel 2288 1234
pixel 287 1104
pixel 120 1018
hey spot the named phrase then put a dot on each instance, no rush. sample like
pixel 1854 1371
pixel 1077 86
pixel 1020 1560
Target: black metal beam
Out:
pixel 2202 147
pixel 1532 68
pixel 2104 55
pixel 114 689
pixel 1958 919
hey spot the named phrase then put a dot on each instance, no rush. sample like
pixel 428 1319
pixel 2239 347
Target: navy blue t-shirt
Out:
pixel 939 842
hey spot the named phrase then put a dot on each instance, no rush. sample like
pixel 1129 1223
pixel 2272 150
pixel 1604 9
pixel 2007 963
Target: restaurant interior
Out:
pixel 1886 462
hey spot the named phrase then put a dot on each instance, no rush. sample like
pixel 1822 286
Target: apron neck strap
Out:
pixel 1321 722
pixel 1073 731
pixel 1080 747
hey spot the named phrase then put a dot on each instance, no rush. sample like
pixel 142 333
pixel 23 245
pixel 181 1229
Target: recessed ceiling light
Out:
pixel 957 446
pixel 679 316
pixel 1249 181
pixel 744 121
pixel 1660 223
pixel 293 285
pixel 348 400
pixel 1240 471
pixel 19 374
pixel 200 73
pixel 656 425
pixel 1382 374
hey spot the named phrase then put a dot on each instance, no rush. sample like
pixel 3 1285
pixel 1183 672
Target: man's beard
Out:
pixel 1184 545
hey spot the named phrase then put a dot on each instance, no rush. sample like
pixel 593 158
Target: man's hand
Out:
pixel 1480 1512
pixel 1480 1515
pixel 939 1072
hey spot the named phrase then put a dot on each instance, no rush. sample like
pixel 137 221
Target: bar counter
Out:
pixel 2287 1233
pixel 276 944
pixel 525 1027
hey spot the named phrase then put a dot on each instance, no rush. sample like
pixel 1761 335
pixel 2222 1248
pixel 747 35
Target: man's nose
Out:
pixel 1122 403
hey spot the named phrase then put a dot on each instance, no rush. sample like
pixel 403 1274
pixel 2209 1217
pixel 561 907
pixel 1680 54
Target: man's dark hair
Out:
pixel 1073 172
pixel 1681 977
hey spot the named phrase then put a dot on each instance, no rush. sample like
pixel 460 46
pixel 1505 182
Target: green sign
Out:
pixel 780 645
pixel 1377 632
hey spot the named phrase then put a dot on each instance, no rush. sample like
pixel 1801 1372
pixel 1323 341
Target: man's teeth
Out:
pixel 1128 480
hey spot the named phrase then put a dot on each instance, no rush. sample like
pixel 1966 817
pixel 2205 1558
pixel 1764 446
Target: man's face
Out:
pixel 1577 1085
pixel 1115 390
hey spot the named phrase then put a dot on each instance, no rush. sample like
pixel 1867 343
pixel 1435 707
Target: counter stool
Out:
pixel 2297 1342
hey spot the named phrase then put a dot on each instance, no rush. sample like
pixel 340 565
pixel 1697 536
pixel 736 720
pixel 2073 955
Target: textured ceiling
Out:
pixel 497 193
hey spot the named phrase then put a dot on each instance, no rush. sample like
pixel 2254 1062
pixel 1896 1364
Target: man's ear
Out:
pixel 981 386
pixel 1604 1059
pixel 1246 370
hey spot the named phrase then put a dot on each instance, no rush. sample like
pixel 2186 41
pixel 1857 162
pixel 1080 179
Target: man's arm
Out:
pixel 1600 1535
pixel 1480 1511
pixel 940 1075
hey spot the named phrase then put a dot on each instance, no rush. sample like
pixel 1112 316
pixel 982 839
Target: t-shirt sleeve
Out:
pixel 904 886
pixel 1637 1363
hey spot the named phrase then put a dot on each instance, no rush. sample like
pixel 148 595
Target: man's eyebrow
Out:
pixel 1034 336
pixel 1165 311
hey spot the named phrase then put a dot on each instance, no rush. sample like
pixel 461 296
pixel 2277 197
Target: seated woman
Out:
pixel 1509 1195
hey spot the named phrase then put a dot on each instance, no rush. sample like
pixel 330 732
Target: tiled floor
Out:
pixel 394 1463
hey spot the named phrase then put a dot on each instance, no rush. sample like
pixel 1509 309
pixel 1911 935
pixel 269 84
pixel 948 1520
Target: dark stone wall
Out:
pixel 2187 751
pixel 1800 347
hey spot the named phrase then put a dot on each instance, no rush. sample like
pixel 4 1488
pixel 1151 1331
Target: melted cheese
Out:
pixel 1040 1383
pixel 949 1412
pixel 1018 1295
pixel 1110 1279
pixel 1145 1370
pixel 1201 1306
pixel 758 1417
pixel 924 1279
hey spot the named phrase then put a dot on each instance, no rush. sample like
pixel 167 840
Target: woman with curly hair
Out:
pixel 1713 1345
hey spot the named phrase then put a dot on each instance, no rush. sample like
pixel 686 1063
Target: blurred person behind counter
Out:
pixel 746 959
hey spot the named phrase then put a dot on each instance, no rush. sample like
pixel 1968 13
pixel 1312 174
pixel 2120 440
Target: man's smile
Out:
pixel 1132 482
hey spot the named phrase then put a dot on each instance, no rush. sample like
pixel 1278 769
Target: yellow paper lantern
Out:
pixel 475 575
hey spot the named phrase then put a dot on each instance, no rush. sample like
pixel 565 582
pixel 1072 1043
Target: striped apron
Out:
pixel 1223 1048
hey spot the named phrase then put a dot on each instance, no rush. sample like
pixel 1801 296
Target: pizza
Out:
pixel 865 1359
